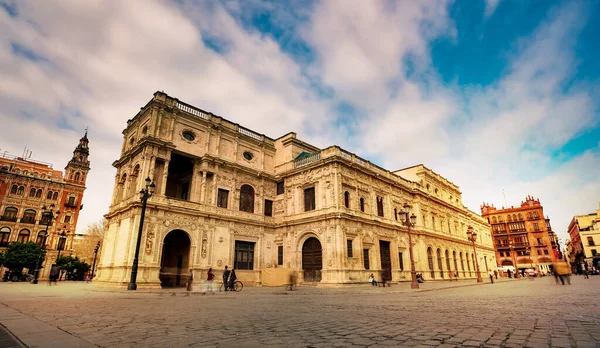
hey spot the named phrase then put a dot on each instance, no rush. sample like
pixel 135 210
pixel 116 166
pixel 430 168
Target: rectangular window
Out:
pixel 4 236
pixel 594 252
pixel 366 257
pixel 280 188
pixel 401 261
pixel 380 206
pixel 67 219
pixel 222 198
pixel 71 201
pixel 268 207
pixel 539 252
pixel 244 255
pixel 536 227
pixel 349 246
pixel 280 255
pixel 309 199
pixel 545 252
pixel 590 241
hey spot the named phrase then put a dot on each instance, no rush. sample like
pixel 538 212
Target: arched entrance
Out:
pixel 174 264
pixel 312 260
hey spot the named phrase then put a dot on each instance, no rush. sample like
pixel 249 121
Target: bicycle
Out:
pixel 237 286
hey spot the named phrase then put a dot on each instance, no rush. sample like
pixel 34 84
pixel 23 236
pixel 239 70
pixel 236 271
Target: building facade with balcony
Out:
pixel 226 195
pixel 26 186
pixel 584 231
pixel 523 238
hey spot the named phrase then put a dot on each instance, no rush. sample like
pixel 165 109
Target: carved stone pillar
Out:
pixel 195 192
pixel 203 188
pixel 163 188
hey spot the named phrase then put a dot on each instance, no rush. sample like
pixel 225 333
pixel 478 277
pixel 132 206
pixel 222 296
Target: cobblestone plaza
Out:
pixel 510 313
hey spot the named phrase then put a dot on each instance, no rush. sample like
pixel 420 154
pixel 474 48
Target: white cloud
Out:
pixel 490 7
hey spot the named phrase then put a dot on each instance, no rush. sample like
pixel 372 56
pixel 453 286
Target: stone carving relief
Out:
pixel 150 239
pixel 219 263
pixel 204 244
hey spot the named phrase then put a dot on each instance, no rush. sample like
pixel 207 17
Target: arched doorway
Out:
pixel 312 260
pixel 174 263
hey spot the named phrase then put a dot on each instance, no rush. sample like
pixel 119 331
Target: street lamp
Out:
pixel 472 236
pixel 410 220
pixel 95 254
pixel 48 214
pixel 144 195
pixel 511 244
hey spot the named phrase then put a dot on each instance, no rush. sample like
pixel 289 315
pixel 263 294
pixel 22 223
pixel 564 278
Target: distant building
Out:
pixel 26 186
pixel 584 231
pixel 523 238
pixel 226 195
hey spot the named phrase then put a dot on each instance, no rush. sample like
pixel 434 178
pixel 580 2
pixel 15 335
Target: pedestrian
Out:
pixel 226 274
pixel 496 274
pixel 456 275
pixel 54 272
pixel 209 282
pixel 491 274
pixel 190 280
pixel 562 271
pixel 586 272
pixel 232 279
pixel 372 280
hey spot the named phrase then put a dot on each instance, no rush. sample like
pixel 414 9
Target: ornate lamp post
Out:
pixel 48 214
pixel 472 237
pixel 511 244
pixel 144 195
pixel 409 220
pixel 95 254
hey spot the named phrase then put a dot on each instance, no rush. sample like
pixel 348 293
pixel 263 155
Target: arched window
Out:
pixel 529 216
pixel 38 194
pixel 473 261
pixel 77 175
pixel 13 189
pixel 494 220
pixel 136 170
pixel 508 218
pixel 433 222
pixel 520 217
pixel 10 214
pixel 500 219
pixel 362 204
pixel 247 198
pixel 49 195
pixel 28 216
pixel 535 214
pixel 21 190
pixel 455 261
pixel 430 262
pixel 439 262
pixel 23 236
pixel 32 192
pixel 379 206
pixel 462 263
pixel 448 261
pixel 347 199
pixel 468 264
pixel 4 236
pixel 41 238
pixel 55 196
pixel 515 217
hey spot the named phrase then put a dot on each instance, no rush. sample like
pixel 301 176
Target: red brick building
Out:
pixel 522 236
pixel 26 186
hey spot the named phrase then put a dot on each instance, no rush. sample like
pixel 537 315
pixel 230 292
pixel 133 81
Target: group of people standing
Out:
pixel 229 279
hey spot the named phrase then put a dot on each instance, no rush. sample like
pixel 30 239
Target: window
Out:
pixel 500 219
pixel 67 219
pixel 32 192
pixel 401 261
pixel 362 204
pixel 21 190
pixel 514 217
pixel 535 215
pixel 379 206
pixel 494 220
pixel 366 258
pixel 38 193
pixel 13 189
pixel 545 251
pixel 347 199
pixel 189 136
pixel 529 216
pixel 594 252
pixel 248 155
pixel 536 227
pixel 433 222
pixel 520 217
pixel 244 255
pixel 539 252
pixel 590 241
pixel 309 199
pixel 280 188
pixel 41 238
pixel 247 198
pixel 55 196
pixel 71 201
pixel 23 236
pixel 49 195
pixel 222 196
pixel 509 218
pixel 28 216
pixel 280 255
pixel 349 246
pixel 268 207
pixel 4 236
pixel 77 175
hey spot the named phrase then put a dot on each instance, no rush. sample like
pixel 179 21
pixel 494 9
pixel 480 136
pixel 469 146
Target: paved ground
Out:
pixel 515 313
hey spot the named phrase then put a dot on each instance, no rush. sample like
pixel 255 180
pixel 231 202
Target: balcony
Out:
pixel 502 246
pixel 8 218
pixel 70 205
pixel 28 220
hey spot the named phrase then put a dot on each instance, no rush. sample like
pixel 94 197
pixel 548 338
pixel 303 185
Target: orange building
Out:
pixel 522 236
pixel 26 186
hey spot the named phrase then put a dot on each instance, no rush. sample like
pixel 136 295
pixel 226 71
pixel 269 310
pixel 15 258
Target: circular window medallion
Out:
pixel 248 155
pixel 189 136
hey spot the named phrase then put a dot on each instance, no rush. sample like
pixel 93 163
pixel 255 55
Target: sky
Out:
pixel 501 97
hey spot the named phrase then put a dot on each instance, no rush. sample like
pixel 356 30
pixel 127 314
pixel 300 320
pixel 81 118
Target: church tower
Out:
pixel 78 167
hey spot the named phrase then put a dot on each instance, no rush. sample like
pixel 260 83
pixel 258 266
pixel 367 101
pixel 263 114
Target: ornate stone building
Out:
pixel 584 233
pixel 522 236
pixel 26 186
pixel 229 196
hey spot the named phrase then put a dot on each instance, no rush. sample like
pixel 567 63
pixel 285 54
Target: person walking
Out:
pixel 491 274
pixel 54 272
pixel 209 282
pixel 232 279
pixel 226 274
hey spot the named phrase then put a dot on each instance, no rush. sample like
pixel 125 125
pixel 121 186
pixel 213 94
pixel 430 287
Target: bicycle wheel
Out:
pixel 238 286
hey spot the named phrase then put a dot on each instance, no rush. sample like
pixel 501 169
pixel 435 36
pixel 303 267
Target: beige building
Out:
pixel 584 232
pixel 229 196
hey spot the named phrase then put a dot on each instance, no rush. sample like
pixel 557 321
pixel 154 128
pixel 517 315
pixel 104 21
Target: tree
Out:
pixel 73 267
pixel 1 259
pixel 20 255
pixel 84 247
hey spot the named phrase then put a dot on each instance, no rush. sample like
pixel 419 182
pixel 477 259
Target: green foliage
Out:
pixel 73 266
pixel 1 258
pixel 20 255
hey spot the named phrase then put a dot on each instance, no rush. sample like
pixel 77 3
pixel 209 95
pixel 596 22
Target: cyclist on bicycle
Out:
pixel 226 278
pixel 232 279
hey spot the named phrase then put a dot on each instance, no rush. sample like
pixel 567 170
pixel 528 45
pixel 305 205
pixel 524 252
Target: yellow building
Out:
pixel 227 195
pixel 584 231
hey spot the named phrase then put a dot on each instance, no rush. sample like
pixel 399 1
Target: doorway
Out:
pixel 174 264
pixel 386 261
pixel 312 260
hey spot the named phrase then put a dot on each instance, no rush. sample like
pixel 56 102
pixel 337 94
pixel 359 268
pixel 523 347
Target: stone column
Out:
pixel 203 188
pixel 195 192
pixel 163 187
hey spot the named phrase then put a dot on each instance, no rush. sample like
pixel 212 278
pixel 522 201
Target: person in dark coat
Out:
pixel 54 273
pixel 226 273
pixel 232 279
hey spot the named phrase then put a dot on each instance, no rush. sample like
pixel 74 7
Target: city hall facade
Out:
pixel 226 195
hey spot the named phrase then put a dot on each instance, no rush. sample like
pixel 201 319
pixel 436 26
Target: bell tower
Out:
pixel 78 167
